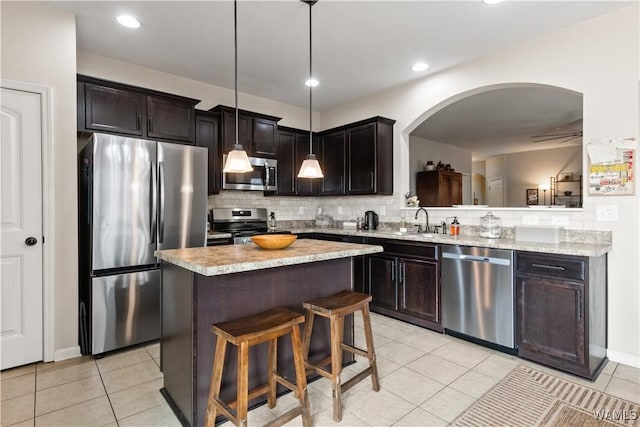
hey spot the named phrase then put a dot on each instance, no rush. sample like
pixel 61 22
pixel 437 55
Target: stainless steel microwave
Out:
pixel 262 178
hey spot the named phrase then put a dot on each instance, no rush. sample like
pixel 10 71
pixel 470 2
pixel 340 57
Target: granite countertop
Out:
pixel 565 248
pixel 218 260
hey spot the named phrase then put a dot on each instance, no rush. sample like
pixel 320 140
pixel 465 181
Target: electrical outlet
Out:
pixel 339 210
pixel 300 210
pixel 383 210
pixel 530 220
pixel 607 212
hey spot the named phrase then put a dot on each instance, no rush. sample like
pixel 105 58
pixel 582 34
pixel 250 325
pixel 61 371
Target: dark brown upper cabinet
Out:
pixel 112 107
pixel 256 132
pixel 292 149
pixel 331 158
pixel 109 109
pixel 170 119
pixel 207 135
pixel 367 157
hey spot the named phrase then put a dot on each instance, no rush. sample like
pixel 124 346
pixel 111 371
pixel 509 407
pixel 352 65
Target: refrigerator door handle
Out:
pixel 162 197
pixel 154 203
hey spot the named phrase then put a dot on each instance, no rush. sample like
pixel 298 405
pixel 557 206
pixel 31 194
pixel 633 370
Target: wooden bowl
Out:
pixel 274 241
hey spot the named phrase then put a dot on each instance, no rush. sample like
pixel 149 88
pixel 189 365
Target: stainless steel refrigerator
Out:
pixel 135 196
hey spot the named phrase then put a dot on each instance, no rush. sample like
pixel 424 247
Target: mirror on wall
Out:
pixel 501 143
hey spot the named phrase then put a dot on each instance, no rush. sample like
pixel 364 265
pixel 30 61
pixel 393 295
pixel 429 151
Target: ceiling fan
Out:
pixel 563 136
pixel 560 134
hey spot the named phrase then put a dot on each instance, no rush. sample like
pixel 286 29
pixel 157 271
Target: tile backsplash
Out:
pixel 391 210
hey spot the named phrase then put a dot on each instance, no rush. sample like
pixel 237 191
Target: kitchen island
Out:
pixel 202 286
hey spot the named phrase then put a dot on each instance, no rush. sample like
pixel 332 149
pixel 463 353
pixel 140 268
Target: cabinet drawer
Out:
pixel 553 266
pixel 405 248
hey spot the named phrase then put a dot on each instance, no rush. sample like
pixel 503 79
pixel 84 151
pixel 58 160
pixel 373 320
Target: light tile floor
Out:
pixel 427 379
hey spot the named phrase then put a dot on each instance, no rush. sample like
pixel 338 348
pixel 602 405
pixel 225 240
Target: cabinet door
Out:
pixel 382 274
pixel 264 138
pixel 455 189
pixel 286 163
pixel 113 110
pixel 419 289
pixel 332 163
pixel 551 320
pixel 361 159
pixel 245 128
pixel 171 119
pixel 207 135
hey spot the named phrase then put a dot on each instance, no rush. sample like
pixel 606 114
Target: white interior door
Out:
pixel 21 257
pixel 495 192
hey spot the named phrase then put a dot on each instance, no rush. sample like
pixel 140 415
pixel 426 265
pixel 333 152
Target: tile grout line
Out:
pixel 106 393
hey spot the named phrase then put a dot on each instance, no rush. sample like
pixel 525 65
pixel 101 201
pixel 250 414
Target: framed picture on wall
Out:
pixel 532 196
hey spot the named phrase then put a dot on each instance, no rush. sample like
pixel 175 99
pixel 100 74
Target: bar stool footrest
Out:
pixel 355 350
pixel 285 418
pixel 356 379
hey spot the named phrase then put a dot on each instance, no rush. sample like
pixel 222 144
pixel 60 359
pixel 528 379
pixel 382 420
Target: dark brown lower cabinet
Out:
pixel 561 311
pixel 404 282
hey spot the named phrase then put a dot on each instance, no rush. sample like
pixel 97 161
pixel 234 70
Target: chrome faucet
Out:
pixel 427 223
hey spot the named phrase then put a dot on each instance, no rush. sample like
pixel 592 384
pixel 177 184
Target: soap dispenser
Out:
pixel 272 221
pixel 455 227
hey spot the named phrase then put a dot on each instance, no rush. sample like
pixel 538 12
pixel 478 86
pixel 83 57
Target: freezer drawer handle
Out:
pixel 549 267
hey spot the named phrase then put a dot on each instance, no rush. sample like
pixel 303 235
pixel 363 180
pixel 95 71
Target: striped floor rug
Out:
pixel 527 397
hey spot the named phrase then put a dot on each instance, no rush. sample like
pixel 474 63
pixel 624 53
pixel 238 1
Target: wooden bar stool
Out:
pixel 247 332
pixel 336 307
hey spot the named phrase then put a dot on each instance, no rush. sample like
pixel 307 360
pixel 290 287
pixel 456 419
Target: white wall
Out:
pixel 532 168
pixel 39 46
pixel 598 58
pixel 106 68
pixel 421 150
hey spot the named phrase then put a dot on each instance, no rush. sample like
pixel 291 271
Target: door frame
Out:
pixel 48 349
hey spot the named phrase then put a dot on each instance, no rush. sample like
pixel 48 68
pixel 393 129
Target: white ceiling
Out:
pixel 360 47
pixel 506 120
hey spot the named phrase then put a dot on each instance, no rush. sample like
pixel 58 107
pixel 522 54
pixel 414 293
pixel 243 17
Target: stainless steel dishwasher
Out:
pixel 478 293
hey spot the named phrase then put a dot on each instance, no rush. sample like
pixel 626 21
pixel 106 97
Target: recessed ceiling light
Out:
pixel 312 82
pixel 492 1
pixel 420 66
pixel 128 21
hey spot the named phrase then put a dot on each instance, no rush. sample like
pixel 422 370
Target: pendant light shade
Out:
pixel 310 167
pixel 237 159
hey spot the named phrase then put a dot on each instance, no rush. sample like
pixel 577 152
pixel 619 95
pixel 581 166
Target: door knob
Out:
pixel 30 241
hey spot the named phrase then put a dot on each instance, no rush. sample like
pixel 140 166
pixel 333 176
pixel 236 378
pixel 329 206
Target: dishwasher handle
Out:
pixel 476 258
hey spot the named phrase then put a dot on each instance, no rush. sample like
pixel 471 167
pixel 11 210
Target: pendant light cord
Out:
pixel 235 49
pixel 310 84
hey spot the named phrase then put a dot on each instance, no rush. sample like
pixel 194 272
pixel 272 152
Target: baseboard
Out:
pixel 624 358
pixel 66 353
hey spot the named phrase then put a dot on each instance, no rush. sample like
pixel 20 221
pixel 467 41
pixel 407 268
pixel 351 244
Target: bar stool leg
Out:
pixel 272 369
pixel 301 377
pixel 216 379
pixel 306 338
pixel 337 332
pixel 371 353
pixel 243 383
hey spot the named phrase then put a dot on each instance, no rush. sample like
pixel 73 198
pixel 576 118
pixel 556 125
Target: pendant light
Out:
pixel 310 166
pixel 237 159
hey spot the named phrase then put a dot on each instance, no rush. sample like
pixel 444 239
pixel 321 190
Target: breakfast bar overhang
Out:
pixel 202 286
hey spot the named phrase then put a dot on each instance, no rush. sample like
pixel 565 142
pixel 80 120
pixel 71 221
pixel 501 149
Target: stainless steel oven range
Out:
pixel 242 223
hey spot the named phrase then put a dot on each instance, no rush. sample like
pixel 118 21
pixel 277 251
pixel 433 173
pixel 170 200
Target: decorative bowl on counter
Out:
pixel 274 241
pixel 568 193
